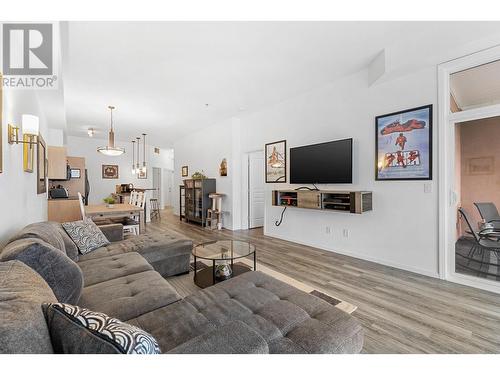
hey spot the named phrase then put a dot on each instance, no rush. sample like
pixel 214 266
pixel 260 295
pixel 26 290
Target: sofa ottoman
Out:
pixel 287 319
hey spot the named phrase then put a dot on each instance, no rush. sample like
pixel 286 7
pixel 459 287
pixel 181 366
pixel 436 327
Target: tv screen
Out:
pixel 323 163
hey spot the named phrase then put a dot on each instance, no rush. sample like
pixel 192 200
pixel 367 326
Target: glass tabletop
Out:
pixel 224 249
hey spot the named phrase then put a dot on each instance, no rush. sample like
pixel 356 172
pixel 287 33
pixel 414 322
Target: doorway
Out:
pixel 477 185
pixel 256 191
pixel 168 183
pixel 157 185
pixel 469 105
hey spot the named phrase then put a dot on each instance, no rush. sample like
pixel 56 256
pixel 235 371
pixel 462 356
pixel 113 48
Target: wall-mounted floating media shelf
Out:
pixel 355 202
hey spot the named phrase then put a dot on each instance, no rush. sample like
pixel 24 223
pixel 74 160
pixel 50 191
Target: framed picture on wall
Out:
pixel 276 162
pixel 143 174
pixel 403 145
pixel 109 171
pixel 184 171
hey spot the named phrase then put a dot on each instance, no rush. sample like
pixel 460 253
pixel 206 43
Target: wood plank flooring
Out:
pixel 402 312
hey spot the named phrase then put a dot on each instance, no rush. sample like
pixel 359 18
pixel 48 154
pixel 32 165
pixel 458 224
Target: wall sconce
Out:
pixel 30 128
pixel 90 132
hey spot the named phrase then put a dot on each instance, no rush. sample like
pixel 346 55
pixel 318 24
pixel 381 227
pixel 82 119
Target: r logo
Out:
pixel 27 49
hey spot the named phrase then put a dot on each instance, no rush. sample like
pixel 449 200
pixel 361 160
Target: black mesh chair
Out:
pixel 489 214
pixel 482 246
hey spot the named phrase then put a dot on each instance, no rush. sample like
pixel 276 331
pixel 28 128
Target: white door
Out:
pixel 256 189
pixel 168 187
pixel 157 183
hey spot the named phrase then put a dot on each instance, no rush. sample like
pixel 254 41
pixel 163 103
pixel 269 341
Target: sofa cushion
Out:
pixel 129 296
pixel 61 273
pixel 233 338
pixel 290 320
pixel 47 231
pixel 22 324
pixel 76 330
pixel 69 245
pixel 86 235
pixel 103 269
pixel 168 254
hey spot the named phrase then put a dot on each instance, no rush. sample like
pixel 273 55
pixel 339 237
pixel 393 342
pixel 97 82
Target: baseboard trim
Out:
pixel 358 256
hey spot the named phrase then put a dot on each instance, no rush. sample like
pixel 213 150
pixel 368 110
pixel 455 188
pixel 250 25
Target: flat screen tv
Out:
pixel 322 163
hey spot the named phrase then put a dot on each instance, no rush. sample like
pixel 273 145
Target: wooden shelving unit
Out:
pixel 355 202
pixel 196 200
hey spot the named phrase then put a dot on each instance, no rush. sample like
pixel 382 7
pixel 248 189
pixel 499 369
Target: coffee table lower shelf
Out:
pixel 205 277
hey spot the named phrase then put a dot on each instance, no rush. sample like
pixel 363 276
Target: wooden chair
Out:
pixel 154 209
pixel 131 225
pixel 82 206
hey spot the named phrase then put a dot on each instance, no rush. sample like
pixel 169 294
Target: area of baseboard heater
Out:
pixel 355 202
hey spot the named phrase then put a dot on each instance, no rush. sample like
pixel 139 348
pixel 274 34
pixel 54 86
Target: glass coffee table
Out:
pixel 221 255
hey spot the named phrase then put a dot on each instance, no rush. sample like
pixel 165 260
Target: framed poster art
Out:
pixel 403 145
pixel 276 162
pixel 184 171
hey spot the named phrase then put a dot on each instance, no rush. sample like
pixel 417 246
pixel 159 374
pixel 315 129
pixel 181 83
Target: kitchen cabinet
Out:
pixel 57 163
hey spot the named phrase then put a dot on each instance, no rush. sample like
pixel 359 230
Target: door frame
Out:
pixel 245 189
pixel 446 144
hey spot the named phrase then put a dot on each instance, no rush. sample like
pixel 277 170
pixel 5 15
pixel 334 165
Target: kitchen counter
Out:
pixel 64 209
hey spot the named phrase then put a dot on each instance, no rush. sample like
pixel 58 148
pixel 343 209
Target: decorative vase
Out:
pixel 110 205
pixel 223 271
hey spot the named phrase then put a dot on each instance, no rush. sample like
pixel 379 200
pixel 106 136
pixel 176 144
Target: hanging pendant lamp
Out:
pixel 110 149
pixel 133 157
pixel 143 169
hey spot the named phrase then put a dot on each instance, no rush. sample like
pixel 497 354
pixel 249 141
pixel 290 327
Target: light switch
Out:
pixel 428 188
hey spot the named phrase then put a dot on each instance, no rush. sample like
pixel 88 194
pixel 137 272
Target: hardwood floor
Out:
pixel 402 312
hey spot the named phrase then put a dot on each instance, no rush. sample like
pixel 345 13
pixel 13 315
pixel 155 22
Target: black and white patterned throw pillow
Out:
pixel 86 235
pixel 75 329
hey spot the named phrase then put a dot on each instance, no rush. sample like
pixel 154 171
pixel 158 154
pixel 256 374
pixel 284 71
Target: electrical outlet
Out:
pixel 345 233
pixel 328 230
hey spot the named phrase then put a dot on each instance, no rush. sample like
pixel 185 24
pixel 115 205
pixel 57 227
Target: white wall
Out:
pixel 21 205
pixel 204 151
pixel 401 230
pixel 101 188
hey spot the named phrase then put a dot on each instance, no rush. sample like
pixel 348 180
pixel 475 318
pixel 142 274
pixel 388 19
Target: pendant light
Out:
pixel 137 170
pixel 143 169
pixel 110 149
pixel 133 156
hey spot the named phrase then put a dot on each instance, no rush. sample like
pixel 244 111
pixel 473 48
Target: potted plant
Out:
pixel 198 175
pixel 110 202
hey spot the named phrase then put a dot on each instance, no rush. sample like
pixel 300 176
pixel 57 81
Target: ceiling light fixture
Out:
pixel 110 149
pixel 133 157
pixel 137 167
pixel 143 169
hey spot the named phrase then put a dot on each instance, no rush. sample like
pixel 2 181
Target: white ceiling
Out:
pixel 477 86
pixel 160 75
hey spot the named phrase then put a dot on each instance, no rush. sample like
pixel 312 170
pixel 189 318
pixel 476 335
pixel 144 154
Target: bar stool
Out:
pixel 155 209
pixel 214 214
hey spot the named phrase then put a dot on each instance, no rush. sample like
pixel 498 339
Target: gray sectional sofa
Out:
pixel 251 313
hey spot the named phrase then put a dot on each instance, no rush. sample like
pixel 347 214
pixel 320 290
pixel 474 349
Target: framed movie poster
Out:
pixel 403 145
pixel 276 162
pixel 109 171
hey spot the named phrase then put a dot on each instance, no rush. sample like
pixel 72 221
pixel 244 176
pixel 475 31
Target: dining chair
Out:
pixel 132 224
pixel 482 245
pixel 82 206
